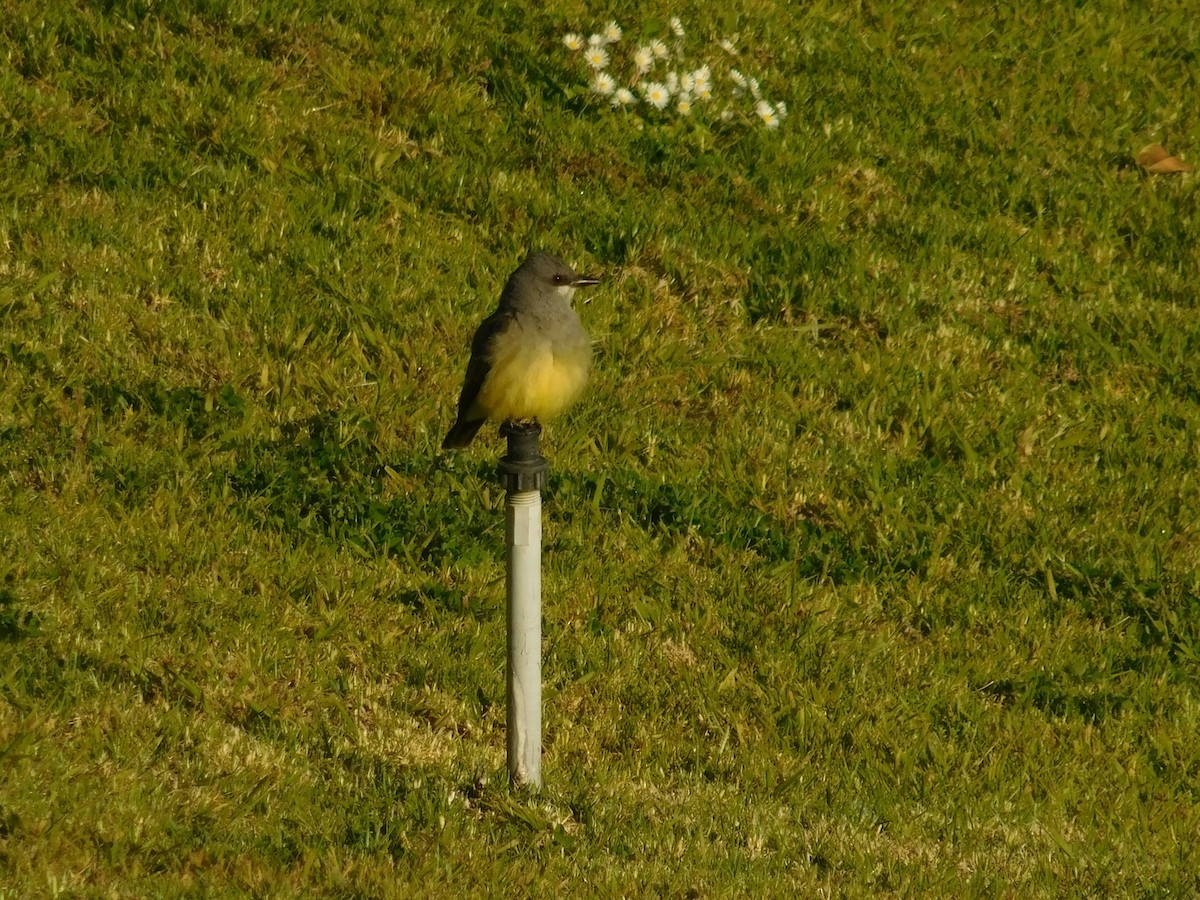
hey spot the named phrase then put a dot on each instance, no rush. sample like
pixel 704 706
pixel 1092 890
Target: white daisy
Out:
pixel 658 48
pixel 643 59
pixel 684 104
pixel 737 77
pixel 596 57
pixel 677 26
pixel 623 97
pixel 656 94
pixel 728 46
pixel 781 109
pixel 604 84
pixel 596 40
pixel 766 113
pixel 573 41
pixel 612 32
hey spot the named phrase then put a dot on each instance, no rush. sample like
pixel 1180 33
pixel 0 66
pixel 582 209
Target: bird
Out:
pixel 531 358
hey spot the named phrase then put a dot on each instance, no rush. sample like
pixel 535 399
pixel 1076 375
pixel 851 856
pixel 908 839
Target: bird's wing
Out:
pixel 470 420
pixel 481 364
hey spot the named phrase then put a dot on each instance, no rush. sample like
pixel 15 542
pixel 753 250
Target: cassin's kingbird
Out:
pixel 530 358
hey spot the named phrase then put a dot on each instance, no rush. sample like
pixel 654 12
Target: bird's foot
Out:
pixel 520 426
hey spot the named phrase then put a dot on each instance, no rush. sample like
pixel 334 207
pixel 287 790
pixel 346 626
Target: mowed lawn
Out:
pixel 872 552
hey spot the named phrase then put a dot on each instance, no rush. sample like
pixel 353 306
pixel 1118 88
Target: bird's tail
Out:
pixel 462 433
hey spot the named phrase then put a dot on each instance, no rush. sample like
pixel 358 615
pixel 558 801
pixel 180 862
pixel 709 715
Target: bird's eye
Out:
pixel 558 279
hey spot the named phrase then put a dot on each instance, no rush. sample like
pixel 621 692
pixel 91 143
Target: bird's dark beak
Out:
pixel 585 281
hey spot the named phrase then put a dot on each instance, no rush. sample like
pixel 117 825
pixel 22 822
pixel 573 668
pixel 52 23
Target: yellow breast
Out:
pixel 533 378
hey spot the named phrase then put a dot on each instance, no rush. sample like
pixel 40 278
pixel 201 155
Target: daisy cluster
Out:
pixel 657 74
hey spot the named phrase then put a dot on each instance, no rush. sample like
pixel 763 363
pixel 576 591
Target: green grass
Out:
pixel 872 554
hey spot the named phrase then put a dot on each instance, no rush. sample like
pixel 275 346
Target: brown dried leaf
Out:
pixel 1169 166
pixel 1156 160
pixel 1151 154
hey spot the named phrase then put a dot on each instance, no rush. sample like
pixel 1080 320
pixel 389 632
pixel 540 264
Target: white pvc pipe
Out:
pixel 523 536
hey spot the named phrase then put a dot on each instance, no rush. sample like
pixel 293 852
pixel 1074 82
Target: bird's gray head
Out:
pixel 547 275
